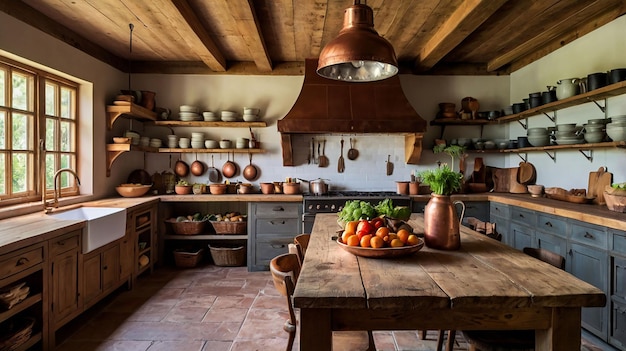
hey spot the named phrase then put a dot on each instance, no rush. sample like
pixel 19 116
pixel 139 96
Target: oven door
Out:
pixel 307 222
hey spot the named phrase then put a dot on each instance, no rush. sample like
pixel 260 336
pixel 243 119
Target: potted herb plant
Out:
pixel 441 222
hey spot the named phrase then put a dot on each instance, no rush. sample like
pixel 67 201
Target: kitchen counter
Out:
pixel 232 197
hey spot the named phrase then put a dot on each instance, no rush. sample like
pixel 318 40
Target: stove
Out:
pixel 333 202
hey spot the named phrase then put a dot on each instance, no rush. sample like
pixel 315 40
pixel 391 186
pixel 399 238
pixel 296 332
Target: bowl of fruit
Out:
pixel 376 238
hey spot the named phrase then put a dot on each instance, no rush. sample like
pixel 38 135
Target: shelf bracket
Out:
pixel 551 155
pixel 553 119
pixel 443 130
pixel 602 108
pixel 111 157
pixel 589 156
pixel 525 158
pixel 523 124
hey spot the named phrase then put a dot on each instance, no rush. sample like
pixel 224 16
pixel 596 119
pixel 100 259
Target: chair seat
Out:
pixel 504 339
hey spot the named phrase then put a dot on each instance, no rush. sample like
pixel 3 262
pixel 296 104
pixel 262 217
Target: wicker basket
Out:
pixel 186 259
pixel 15 332
pixel 13 295
pixel 232 228
pixel 228 256
pixel 186 228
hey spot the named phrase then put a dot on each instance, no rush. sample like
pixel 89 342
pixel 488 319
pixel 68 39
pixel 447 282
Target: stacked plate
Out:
pixel 250 114
pixel 183 143
pixel 189 113
pixel 134 137
pixel 229 116
pixel 197 140
pixel 210 116
pixel 538 136
pixel 568 134
pixel 154 142
pixel 172 141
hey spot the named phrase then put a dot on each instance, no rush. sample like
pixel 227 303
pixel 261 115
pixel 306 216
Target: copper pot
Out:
pixel 441 223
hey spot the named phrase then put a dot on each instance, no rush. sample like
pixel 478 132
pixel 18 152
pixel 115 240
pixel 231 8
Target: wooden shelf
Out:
pixel 223 151
pixel 587 146
pixel 218 124
pixel 130 110
pixel 461 122
pixel 32 341
pixel 26 303
pixel 144 251
pixel 205 237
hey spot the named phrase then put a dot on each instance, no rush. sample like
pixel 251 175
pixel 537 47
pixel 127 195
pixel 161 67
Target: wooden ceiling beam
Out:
pixel 462 22
pixel 191 29
pixel 290 68
pixel 244 15
pixel 562 33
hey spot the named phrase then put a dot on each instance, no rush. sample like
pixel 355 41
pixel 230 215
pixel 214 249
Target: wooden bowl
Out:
pixel 132 190
pixel 121 140
pixel 383 252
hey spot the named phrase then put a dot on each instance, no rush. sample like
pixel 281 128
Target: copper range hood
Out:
pixel 327 106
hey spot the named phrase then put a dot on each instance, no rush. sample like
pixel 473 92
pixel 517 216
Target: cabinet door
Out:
pixel 521 236
pixel 551 243
pixel 127 257
pixel 502 227
pixel 590 265
pixel 110 264
pixel 476 209
pixel 92 277
pixel 65 287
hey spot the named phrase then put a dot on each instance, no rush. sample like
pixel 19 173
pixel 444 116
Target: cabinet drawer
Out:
pixel 64 243
pixel 277 210
pixel 498 209
pixel 271 247
pixel 619 277
pixel 618 242
pixel 20 261
pixel 265 226
pixel 589 235
pixel 552 225
pixel 523 216
pixel 477 209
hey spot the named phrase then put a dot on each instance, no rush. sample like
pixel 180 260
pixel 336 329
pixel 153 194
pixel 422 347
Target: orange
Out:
pixel 353 240
pixel 396 243
pixel 351 226
pixel 382 232
pixel 377 242
pixel 365 240
pixel 403 235
pixel 345 236
pixel 391 236
pixel 412 240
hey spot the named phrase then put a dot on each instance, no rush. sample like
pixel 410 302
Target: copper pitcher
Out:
pixel 441 223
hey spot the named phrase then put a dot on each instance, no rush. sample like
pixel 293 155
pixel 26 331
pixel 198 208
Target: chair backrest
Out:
pixel 302 241
pixel 285 270
pixel 544 255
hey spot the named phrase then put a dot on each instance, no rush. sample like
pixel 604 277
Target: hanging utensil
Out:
pixel 341 163
pixel 197 167
pixel 318 152
pixel 323 158
pixel 214 173
pixel 229 168
pixel 250 172
pixel 313 150
pixel 389 166
pixel 353 153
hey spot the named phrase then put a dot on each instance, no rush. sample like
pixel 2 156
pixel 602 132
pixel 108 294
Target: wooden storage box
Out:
pixel 232 228
pixel 187 258
pixel 186 228
pixel 228 256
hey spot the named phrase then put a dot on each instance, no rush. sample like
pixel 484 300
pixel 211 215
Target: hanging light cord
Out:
pixel 131 26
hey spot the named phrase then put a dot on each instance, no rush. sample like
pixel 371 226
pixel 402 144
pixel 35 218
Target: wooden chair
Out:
pixel 302 242
pixel 518 340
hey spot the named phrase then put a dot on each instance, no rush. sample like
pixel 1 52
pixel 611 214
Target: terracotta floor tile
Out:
pixel 226 315
pixel 262 323
pixel 234 301
pixel 165 331
pixel 186 314
pixel 276 344
pixel 270 301
pixel 217 345
pixel 196 300
pixel 186 345
pixel 106 345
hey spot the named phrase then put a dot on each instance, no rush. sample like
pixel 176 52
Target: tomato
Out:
pixel 364 227
pixel 377 222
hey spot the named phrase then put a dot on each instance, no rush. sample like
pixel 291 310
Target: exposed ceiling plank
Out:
pixel 191 29
pixel 600 10
pixel 309 27
pixel 244 15
pixel 36 19
pixel 579 30
pixel 465 19
pixel 293 68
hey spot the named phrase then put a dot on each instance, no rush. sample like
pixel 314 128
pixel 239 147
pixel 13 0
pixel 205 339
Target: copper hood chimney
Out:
pixel 327 106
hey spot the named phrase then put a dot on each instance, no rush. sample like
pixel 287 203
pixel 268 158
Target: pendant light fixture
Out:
pixel 358 53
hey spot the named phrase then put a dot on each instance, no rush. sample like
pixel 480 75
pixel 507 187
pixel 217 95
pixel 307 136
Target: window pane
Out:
pixel 3 89
pixel 3 134
pixel 21 88
pixel 3 186
pixel 20 132
pixel 50 100
pixel 50 145
pixel 66 103
pixel 19 172
pixel 66 142
pixel 50 169
pixel 66 161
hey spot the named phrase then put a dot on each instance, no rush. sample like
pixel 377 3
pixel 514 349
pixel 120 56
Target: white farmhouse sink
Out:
pixel 104 224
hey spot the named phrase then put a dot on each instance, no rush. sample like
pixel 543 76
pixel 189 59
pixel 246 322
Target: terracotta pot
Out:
pixel 441 223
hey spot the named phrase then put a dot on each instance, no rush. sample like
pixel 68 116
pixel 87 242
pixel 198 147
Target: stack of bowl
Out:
pixel 538 136
pixel 144 141
pixel 197 140
pixel 210 116
pixel 229 116
pixel 172 141
pixel 183 143
pixel 568 134
pixel 134 137
pixel 189 113
pixel 594 130
pixel 250 114
pixel 242 143
pixel 211 144
pixel 155 142
pixel 616 130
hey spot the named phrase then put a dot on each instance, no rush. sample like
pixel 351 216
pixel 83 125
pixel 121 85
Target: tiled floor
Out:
pixel 208 309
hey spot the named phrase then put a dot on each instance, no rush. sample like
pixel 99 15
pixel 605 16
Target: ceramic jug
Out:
pixel 441 223
pixel 566 88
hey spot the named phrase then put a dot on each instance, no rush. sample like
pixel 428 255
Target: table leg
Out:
pixel 564 335
pixel 315 330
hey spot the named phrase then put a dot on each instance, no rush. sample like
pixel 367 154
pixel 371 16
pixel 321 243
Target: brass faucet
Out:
pixel 57 190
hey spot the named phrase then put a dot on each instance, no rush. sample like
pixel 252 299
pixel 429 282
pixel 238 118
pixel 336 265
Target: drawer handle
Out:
pixel 61 243
pixel 278 246
pixel 275 223
pixel 278 208
pixel 105 268
pixel 549 224
pixel 521 215
pixel 588 235
pixel 22 261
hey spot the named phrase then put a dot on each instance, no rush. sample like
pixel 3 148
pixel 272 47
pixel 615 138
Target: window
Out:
pixel 37 109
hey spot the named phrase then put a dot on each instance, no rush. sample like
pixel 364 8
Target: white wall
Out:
pixel 598 51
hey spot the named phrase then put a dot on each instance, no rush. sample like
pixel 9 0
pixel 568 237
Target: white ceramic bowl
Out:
pixel 228 114
pixel 250 118
pixel 598 121
pixel 489 145
pixel 251 111
pixel 225 144
pixel 189 108
pixel 594 137
pixel 197 135
pixel 539 140
pixel 616 134
pixel 566 127
pixel 618 118
pixel 211 144
pixel 537 131
pixel 197 144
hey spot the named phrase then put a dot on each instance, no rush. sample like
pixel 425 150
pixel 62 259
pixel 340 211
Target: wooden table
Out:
pixel 484 285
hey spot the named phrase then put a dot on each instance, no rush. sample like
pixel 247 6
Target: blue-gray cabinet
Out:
pixel 499 215
pixel 617 300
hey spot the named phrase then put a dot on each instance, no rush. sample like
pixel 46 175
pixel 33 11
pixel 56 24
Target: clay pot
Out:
pixel 441 223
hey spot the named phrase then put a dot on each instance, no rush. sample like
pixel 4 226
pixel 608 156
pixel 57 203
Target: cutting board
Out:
pixel 597 182
pixel 515 187
pixel 505 181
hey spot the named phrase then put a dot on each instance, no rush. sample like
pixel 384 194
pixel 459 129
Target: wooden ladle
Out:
pixel 352 153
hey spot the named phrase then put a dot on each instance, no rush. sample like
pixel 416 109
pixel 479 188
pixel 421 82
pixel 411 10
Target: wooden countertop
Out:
pixel 232 197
